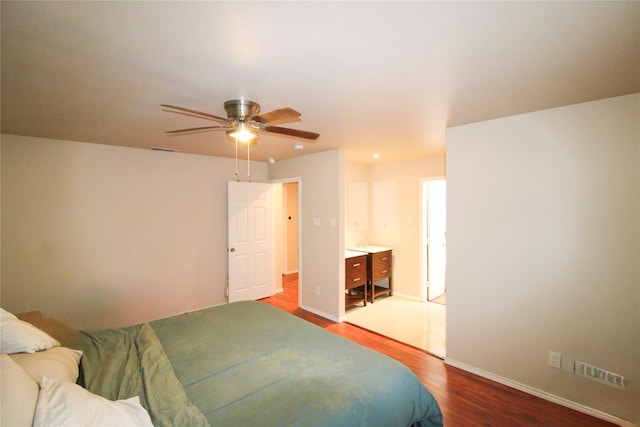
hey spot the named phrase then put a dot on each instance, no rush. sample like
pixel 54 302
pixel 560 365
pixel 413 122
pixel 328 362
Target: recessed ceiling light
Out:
pixel 376 155
pixel 299 147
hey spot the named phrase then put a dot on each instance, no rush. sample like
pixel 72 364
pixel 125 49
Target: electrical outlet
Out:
pixel 555 359
pixel 317 290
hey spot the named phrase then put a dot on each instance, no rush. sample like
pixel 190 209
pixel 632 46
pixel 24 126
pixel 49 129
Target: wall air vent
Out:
pixel 168 150
pixel 598 374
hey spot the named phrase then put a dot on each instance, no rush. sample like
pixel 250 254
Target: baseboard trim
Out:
pixel 321 313
pixel 541 394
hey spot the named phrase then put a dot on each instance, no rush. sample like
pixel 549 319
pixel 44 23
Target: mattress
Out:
pixel 249 363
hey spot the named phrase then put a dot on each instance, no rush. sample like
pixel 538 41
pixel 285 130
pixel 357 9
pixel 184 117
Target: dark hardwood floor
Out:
pixel 465 399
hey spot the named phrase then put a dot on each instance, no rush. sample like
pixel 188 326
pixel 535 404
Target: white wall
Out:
pixel 322 196
pixel 101 236
pixel 402 180
pixel 543 249
pixel 357 204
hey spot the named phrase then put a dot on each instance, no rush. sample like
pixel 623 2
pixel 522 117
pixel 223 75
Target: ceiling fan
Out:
pixel 243 121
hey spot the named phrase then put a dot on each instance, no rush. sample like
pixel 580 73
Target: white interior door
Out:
pixel 435 195
pixel 251 243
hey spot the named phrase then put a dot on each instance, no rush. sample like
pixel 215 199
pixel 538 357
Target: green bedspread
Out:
pixel 127 362
pixel 250 364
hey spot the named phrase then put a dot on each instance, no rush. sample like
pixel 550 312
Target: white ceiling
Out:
pixel 386 77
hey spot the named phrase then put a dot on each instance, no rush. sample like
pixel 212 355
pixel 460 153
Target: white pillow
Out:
pixel 57 362
pixel 62 403
pixel 5 315
pixel 22 337
pixel 18 394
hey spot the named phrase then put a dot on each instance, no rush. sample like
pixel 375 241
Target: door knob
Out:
pixel 232 249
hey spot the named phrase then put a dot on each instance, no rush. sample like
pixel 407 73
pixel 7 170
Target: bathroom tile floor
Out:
pixel 419 324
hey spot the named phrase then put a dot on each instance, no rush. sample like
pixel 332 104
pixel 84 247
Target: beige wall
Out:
pixel 401 181
pixel 321 272
pixel 543 249
pixel 102 236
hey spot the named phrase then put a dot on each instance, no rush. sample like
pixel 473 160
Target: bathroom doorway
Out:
pixel 433 236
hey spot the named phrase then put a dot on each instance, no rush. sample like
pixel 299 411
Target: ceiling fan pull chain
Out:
pixel 237 169
pixel 249 159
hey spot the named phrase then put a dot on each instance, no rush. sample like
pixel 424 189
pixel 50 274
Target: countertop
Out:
pixel 370 249
pixel 350 254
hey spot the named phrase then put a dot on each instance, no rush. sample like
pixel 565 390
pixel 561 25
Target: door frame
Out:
pixel 280 268
pixel 424 265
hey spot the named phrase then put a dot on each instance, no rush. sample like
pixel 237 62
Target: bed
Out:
pixel 249 363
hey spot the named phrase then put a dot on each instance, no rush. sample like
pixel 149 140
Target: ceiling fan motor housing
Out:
pixel 241 109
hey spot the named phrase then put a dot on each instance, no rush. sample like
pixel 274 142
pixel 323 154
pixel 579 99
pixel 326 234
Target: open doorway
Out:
pixel 288 240
pixel 290 210
pixel 433 236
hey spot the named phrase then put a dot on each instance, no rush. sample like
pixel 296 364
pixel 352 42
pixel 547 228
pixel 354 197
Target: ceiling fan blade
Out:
pixel 197 113
pixel 280 115
pixel 292 132
pixel 199 129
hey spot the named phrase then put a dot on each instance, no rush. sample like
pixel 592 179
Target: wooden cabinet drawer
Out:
pixel 380 265
pixel 355 271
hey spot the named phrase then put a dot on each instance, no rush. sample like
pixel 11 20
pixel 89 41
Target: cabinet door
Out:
pixel 381 265
pixel 355 271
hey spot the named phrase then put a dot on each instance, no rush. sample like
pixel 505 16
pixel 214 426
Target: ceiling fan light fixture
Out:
pixel 242 132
